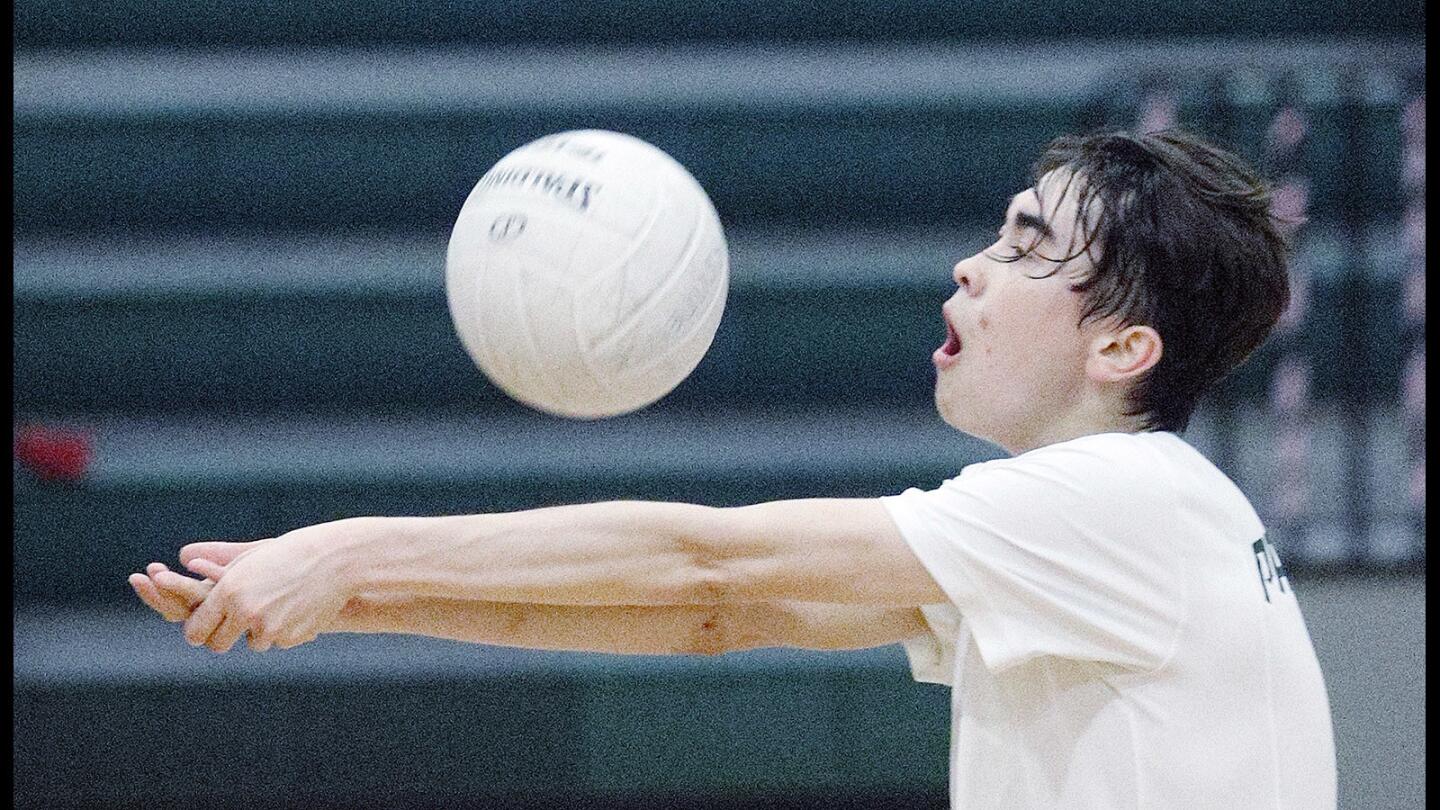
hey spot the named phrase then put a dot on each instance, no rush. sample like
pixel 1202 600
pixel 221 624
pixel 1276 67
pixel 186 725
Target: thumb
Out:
pixel 219 552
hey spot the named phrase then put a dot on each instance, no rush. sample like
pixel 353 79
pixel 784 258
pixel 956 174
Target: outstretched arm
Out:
pixel 623 553
pixel 658 630
pixel 646 553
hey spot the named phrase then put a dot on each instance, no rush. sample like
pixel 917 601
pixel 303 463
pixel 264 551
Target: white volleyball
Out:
pixel 587 273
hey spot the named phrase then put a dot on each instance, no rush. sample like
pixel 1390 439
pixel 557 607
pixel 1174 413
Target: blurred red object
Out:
pixel 54 454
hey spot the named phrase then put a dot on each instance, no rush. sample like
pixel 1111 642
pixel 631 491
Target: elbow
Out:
pixel 711 568
pixel 711 585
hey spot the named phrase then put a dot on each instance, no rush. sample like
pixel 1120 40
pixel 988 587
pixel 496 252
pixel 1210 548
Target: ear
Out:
pixel 1122 354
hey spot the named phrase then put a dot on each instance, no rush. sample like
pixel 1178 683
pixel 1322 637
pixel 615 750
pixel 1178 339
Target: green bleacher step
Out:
pixel 394 141
pixel 135 141
pixel 159 483
pixel 321 324
pixel 446 724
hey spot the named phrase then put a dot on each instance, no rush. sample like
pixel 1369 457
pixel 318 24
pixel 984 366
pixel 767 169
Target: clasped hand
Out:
pixel 279 592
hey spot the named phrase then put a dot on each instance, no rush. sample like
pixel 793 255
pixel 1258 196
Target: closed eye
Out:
pixel 1004 252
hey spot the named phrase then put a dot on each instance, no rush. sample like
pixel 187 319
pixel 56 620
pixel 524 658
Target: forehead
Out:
pixel 1054 198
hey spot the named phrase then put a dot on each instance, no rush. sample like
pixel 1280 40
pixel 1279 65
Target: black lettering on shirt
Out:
pixel 1268 565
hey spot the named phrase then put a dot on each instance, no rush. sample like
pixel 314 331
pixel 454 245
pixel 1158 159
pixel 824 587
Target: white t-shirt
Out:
pixel 1119 635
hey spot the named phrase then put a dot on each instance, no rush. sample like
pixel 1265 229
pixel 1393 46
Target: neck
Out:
pixel 1080 422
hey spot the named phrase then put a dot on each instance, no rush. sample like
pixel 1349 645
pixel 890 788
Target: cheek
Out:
pixel 1037 328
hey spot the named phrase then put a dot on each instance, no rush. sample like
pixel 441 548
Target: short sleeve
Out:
pixel 932 654
pixel 1058 552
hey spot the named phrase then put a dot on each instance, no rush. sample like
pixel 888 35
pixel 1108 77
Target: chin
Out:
pixel 953 412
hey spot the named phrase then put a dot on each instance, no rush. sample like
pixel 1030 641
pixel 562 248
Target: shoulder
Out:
pixel 1088 466
pixel 1100 486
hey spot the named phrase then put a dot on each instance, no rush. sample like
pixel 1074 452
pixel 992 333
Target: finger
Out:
pixel 256 642
pixel 221 552
pixel 190 592
pixel 169 608
pixel 202 623
pixel 207 568
pixel 226 634
pixel 156 599
pixel 154 568
pixel 158 567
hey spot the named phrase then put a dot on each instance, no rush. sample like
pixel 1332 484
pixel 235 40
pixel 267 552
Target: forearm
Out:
pixel 620 553
pixel 631 629
pixel 635 629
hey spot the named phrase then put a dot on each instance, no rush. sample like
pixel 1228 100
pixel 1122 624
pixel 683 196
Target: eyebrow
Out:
pixel 1025 220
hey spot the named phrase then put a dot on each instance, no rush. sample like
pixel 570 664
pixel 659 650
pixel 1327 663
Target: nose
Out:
pixel 968 277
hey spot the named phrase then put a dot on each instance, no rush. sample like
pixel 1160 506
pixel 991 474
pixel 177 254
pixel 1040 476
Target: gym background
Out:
pixel 230 228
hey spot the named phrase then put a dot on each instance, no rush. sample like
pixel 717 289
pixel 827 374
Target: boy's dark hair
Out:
pixel 1185 242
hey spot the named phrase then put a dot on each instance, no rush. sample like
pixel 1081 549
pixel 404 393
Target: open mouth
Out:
pixel 951 346
pixel 945 356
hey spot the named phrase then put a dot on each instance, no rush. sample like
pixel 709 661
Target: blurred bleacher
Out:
pixel 230 224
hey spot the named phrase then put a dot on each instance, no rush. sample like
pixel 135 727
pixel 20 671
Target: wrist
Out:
pixel 347 551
